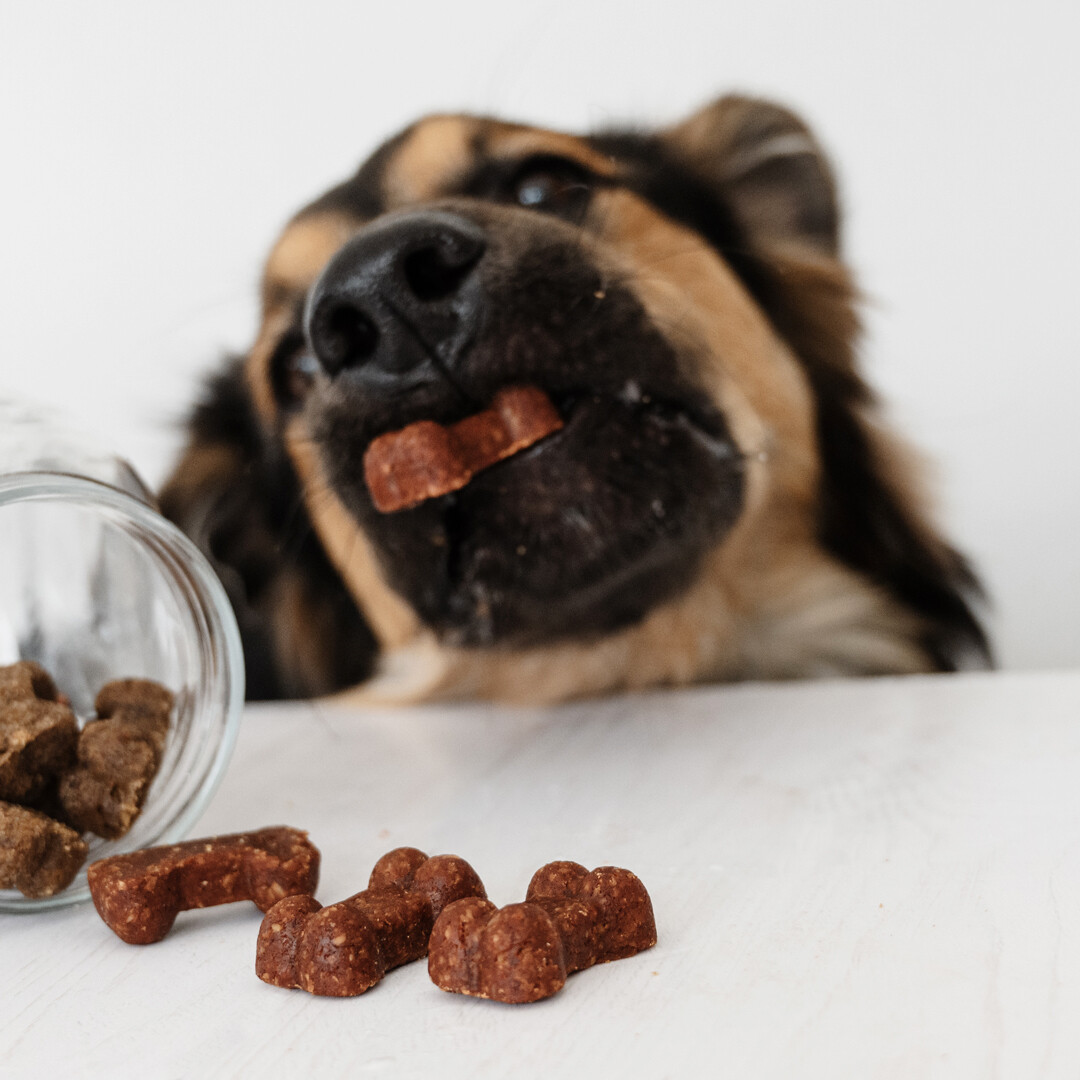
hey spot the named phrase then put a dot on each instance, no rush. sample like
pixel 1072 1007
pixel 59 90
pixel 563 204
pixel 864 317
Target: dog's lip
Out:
pixel 708 430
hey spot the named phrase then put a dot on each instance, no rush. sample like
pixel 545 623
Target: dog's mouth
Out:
pixel 581 533
pixel 427 459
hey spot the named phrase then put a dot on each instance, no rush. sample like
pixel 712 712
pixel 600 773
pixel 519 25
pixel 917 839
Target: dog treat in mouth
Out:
pixel 38 856
pixel 38 733
pixel 571 920
pixel 140 894
pixel 426 459
pixel 345 948
pixel 118 757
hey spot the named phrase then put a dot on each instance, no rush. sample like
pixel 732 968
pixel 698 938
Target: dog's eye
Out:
pixel 553 185
pixel 292 370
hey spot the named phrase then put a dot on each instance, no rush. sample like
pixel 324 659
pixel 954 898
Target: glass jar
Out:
pixel 96 585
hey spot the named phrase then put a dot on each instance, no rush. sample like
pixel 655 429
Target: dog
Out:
pixel 723 501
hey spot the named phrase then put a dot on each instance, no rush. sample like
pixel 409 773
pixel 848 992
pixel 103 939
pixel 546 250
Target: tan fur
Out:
pixel 392 621
pixel 696 299
pixel 807 617
pixel 303 249
pixel 517 142
pixel 435 151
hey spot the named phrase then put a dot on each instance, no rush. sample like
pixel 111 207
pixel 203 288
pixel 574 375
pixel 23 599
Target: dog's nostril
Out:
pixel 342 336
pixel 437 270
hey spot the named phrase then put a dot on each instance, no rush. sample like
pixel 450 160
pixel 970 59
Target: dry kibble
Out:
pixel 571 920
pixel 404 468
pixel 345 948
pixel 38 856
pixel 139 895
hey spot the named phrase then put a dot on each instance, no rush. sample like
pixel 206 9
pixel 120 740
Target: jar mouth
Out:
pixel 142 595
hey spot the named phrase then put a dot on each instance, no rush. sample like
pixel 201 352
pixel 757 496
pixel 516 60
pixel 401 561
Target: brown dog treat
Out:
pixel 38 856
pixel 345 948
pixel 139 895
pixel 404 468
pixel 26 679
pixel 105 792
pixel 142 704
pixel 139 695
pixel 37 732
pixel 118 758
pixel 571 920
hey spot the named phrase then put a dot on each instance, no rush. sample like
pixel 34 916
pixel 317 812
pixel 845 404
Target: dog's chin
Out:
pixel 580 535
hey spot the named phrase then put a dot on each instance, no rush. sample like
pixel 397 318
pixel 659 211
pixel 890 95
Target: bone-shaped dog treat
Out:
pixel 404 468
pixel 139 895
pixel 571 919
pixel 345 948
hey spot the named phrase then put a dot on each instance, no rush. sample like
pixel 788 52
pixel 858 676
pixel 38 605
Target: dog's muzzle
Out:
pixel 399 304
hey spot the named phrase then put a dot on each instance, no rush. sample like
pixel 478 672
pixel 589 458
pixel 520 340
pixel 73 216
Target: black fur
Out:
pixel 254 528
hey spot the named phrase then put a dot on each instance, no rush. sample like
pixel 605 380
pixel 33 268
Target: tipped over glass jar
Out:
pixel 96 585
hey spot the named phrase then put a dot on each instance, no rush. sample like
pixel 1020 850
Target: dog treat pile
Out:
pixel 140 894
pixel 414 906
pixel 346 948
pixel 57 782
pixel 426 459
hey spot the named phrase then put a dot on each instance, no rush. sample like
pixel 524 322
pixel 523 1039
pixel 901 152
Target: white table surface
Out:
pixel 856 879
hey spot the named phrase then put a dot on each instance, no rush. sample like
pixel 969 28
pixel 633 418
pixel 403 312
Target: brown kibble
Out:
pixel 139 895
pixel 404 468
pixel 346 948
pixel 38 856
pixel 37 732
pixel 571 920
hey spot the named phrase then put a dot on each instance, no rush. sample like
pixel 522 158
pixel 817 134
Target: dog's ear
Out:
pixel 770 171
pixel 235 493
pixel 769 168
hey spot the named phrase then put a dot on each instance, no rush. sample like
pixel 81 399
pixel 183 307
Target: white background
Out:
pixel 150 152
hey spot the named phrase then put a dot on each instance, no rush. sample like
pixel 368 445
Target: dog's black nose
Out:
pixel 399 300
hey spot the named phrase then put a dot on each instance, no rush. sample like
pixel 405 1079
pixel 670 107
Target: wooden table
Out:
pixel 856 879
